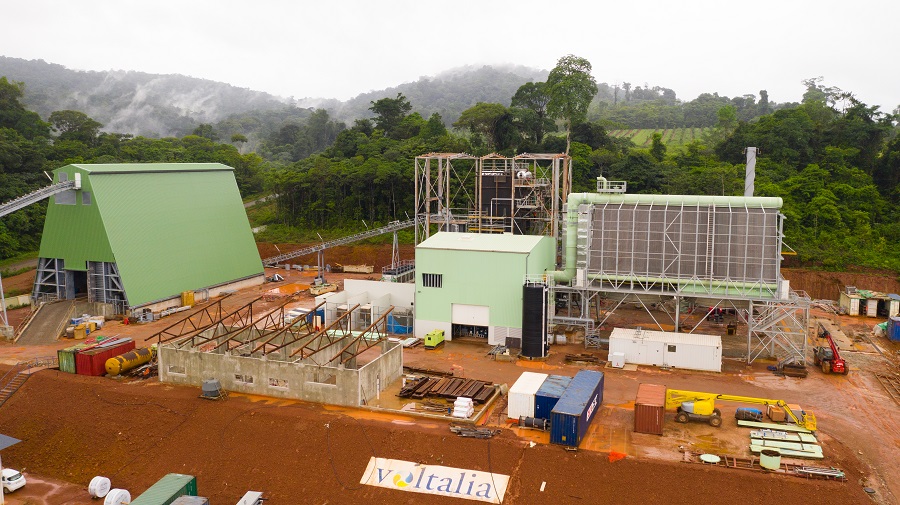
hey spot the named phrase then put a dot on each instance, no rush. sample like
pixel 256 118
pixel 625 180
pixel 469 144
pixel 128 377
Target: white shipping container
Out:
pixel 521 394
pixel 691 351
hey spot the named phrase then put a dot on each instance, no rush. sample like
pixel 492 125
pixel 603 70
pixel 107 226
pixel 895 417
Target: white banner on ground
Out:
pixel 433 479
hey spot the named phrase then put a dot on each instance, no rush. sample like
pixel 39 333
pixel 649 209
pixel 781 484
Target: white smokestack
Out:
pixel 750 174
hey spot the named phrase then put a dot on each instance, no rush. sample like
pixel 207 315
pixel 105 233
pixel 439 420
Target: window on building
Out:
pixel 66 197
pixel 432 280
pixel 278 383
pixel 243 378
pixel 176 369
pixel 63 177
pixel 671 348
pixel 85 197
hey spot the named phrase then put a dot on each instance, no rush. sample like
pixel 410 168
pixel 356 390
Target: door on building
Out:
pixel 76 284
pixel 470 320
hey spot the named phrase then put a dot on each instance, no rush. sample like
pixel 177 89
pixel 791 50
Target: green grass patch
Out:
pixel 16 259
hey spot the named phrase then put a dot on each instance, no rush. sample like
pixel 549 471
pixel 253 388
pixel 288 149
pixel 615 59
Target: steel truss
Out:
pixel 105 285
pixel 50 280
pixel 254 332
pixel 450 193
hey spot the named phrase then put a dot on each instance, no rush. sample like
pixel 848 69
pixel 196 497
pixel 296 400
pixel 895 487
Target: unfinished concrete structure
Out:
pixel 252 350
pixel 374 299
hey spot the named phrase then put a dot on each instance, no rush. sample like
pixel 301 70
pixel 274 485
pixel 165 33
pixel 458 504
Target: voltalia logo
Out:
pixel 401 481
pixel 433 479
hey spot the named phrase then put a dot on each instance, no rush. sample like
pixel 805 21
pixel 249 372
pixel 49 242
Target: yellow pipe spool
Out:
pixel 129 360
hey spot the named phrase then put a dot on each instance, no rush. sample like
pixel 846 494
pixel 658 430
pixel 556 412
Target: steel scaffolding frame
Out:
pixel 50 280
pixel 449 192
pixel 105 285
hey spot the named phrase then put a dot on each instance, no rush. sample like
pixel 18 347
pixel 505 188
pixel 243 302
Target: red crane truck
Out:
pixel 829 357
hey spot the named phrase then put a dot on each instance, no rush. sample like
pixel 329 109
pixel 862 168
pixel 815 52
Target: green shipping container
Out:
pixel 168 489
pixel 67 358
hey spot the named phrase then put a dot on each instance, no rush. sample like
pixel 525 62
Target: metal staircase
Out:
pixel 35 196
pixel 396 225
pixel 17 375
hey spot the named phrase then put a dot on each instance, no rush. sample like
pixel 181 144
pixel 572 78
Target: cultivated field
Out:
pixel 670 136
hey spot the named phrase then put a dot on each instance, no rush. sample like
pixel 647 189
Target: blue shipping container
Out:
pixel 577 407
pixel 549 393
pixel 894 328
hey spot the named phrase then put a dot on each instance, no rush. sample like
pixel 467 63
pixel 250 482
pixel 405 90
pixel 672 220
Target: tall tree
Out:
pixel 483 119
pixel 533 96
pixel 75 125
pixel 389 113
pixel 571 88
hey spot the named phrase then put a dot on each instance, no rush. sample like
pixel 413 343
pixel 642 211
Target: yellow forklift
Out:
pixel 697 406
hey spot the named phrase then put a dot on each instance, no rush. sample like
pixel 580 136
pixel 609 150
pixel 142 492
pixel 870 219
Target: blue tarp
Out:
pixel 393 326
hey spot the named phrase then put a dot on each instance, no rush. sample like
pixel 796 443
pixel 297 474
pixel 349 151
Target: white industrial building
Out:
pixel 690 351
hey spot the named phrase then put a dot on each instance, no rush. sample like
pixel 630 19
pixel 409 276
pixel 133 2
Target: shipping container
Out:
pixel 167 490
pixel 650 409
pixel 66 357
pixel 521 395
pixel 893 332
pixel 93 361
pixel 549 394
pixel 578 406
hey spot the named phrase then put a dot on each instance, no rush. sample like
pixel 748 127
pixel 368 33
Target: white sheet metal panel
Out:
pixel 521 394
pixel 476 315
pixel 658 348
pixel 872 307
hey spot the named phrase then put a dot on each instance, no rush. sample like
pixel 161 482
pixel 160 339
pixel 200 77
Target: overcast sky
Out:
pixel 338 49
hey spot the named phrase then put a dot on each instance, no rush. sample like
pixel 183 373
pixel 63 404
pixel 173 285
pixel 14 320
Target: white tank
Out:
pixel 117 497
pixel 99 487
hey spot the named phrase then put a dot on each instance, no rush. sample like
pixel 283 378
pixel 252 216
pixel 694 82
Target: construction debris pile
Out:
pixel 448 388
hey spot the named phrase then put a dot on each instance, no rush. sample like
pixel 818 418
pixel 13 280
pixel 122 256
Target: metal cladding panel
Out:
pixel 174 230
pixel 733 243
pixel 548 396
pixel 521 394
pixel 167 490
pixel 93 362
pixel 572 415
pixel 75 233
pixel 650 409
pixel 489 274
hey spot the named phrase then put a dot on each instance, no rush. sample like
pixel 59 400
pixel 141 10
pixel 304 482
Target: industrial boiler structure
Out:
pixel 669 254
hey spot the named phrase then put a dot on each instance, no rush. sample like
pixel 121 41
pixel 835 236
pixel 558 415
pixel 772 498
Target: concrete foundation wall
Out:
pixel 306 380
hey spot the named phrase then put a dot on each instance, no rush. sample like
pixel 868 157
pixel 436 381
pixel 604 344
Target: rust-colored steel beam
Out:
pixel 287 328
pixel 336 322
pixel 252 324
pixel 194 324
pixel 361 336
pixel 188 337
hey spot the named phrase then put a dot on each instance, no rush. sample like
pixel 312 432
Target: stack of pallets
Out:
pixel 448 388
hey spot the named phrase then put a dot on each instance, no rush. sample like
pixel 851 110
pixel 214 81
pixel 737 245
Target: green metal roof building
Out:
pixel 471 284
pixel 138 235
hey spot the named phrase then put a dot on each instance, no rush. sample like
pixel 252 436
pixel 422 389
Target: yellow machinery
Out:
pixel 696 406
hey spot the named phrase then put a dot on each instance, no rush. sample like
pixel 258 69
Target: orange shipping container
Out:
pixel 650 409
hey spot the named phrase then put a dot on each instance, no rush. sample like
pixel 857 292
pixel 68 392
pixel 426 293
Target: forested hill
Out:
pixel 448 93
pixel 135 102
pixel 153 105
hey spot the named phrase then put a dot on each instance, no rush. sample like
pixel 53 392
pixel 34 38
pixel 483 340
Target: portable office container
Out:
pixel 549 394
pixel 577 407
pixel 893 332
pixel 521 395
pixel 167 490
pixel 93 361
pixel 650 409
pixel 659 348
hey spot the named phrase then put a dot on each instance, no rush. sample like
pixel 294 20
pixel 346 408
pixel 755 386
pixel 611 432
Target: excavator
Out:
pixel 697 406
pixel 829 358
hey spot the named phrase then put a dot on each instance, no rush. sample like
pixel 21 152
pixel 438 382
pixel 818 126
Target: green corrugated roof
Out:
pixel 481 242
pixel 167 490
pixel 168 229
pixel 113 168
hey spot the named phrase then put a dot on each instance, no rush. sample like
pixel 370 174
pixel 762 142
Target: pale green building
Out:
pixel 138 235
pixel 471 284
